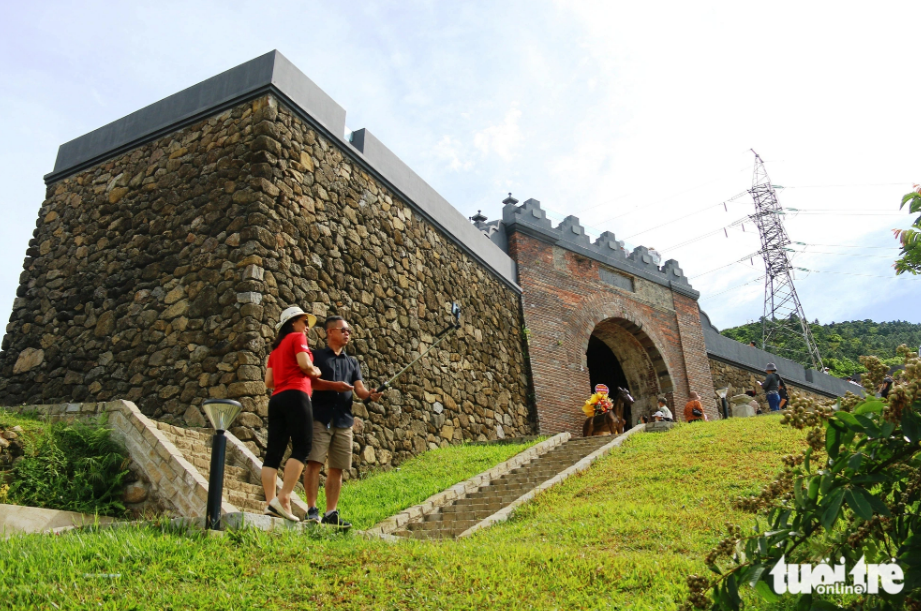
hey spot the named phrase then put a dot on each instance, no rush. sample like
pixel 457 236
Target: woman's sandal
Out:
pixel 276 506
pixel 270 511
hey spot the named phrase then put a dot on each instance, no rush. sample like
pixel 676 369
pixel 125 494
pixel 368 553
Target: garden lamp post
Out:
pixel 221 412
pixel 722 392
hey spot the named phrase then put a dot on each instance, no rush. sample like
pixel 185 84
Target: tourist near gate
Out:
pixel 170 241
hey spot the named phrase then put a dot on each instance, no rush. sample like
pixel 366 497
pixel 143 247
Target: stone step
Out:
pixel 451 517
pixel 239 499
pixel 204 467
pixel 502 490
pixel 181 430
pixel 446 533
pixel 523 480
pixel 496 502
pixel 455 509
pixel 245 488
pixel 251 506
pixel 194 435
pixel 194 447
pixel 459 525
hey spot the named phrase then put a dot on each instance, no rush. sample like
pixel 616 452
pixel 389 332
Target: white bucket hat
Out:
pixel 293 312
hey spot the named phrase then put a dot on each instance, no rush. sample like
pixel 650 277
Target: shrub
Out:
pixel 74 466
pixel 854 493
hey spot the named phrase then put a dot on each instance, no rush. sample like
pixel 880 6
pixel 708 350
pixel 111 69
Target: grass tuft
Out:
pixel 74 466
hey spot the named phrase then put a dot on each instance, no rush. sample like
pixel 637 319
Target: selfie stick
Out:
pixel 445 333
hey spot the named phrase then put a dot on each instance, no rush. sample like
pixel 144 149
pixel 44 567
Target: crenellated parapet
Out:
pixel 529 218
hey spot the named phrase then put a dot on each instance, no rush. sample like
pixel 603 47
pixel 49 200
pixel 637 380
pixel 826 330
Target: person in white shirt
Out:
pixel 666 413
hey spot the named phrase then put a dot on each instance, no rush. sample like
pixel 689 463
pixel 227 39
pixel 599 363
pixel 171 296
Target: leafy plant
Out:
pixel 74 466
pixel 854 492
pixel 910 239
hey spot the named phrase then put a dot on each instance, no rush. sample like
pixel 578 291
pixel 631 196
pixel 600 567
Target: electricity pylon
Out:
pixel 784 325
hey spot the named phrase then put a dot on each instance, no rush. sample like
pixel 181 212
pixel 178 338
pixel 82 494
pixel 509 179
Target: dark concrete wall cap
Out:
pixel 431 203
pixel 274 73
pixel 754 359
pixel 204 99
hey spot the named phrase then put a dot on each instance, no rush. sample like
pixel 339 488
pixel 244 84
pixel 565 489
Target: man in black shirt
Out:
pixel 771 387
pixel 333 420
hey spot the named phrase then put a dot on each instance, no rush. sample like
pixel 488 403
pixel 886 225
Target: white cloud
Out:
pixel 501 139
pixel 450 150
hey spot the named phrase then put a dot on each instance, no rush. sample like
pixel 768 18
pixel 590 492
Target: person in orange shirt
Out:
pixel 694 410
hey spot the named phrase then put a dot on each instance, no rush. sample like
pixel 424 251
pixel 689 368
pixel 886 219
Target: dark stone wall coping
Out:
pixel 431 203
pixel 529 218
pixel 754 359
pixel 273 73
pixel 204 99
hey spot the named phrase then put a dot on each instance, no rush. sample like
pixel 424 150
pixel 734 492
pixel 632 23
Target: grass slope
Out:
pixel 623 535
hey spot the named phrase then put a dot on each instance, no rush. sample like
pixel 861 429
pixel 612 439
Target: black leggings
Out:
pixel 290 417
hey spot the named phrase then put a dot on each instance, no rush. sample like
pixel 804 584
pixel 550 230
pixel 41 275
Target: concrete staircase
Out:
pixel 241 489
pixel 451 520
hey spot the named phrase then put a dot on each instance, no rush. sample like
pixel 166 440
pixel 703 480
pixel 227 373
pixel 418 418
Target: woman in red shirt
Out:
pixel 288 373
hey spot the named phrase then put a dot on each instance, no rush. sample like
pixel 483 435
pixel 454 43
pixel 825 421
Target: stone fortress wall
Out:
pixel 156 274
pixel 170 241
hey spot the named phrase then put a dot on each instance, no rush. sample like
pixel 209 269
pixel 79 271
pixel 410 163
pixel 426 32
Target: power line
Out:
pixel 665 199
pixel 845 245
pixel 754 254
pixel 710 207
pixel 826 271
pixel 838 254
pixel 872 184
pixel 731 225
pixel 836 212
pixel 738 286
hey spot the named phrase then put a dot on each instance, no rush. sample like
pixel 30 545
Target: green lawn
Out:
pixel 623 535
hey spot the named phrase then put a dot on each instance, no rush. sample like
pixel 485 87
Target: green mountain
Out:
pixel 842 343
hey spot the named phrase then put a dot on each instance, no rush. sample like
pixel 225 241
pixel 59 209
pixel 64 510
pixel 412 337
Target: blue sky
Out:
pixel 637 119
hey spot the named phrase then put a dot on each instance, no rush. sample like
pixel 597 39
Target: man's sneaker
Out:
pixel 313 515
pixel 333 519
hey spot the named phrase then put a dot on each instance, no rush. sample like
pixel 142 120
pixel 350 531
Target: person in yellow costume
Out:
pixel 598 403
pixel 598 412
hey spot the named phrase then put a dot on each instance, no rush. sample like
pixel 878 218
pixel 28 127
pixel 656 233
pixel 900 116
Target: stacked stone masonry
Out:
pixel 158 276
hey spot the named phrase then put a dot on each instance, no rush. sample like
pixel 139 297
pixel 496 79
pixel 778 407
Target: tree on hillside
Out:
pixel 842 344
pixel 910 239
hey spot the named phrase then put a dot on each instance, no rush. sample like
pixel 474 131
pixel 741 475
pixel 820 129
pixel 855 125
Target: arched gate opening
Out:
pixel 620 354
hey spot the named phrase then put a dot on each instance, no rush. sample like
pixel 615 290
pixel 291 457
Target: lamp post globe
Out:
pixel 221 413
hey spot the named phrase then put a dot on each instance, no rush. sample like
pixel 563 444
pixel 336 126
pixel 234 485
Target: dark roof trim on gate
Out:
pixel 754 359
pixel 530 219
pixel 273 73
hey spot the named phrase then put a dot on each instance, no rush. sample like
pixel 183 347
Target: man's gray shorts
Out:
pixel 336 444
